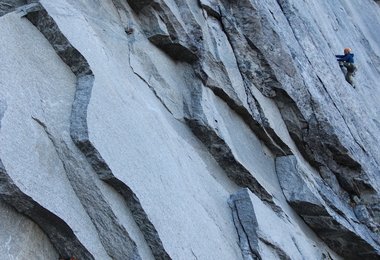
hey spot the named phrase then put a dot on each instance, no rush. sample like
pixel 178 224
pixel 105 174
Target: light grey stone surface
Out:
pixel 265 235
pixel 17 231
pixel 131 123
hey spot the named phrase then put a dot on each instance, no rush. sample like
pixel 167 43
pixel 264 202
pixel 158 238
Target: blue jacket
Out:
pixel 349 57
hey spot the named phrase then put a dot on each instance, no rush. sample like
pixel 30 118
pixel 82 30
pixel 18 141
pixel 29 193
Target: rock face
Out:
pixel 181 129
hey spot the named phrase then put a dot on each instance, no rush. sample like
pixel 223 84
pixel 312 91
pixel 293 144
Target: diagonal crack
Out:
pixel 268 135
pixel 58 231
pixel 113 236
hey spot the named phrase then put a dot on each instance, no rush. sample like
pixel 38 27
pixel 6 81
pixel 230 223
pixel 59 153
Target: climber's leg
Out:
pixel 350 78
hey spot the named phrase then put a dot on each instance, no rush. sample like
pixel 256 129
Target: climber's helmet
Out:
pixel 346 50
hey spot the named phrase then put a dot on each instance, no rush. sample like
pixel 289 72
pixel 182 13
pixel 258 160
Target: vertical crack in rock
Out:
pixel 334 222
pixel 113 236
pixel 256 70
pixel 258 73
pixel 60 234
pixel 275 139
pixel 79 130
pixel 244 218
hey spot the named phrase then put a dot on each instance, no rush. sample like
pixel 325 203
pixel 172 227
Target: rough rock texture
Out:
pixel 259 232
pixel 184 129
pixel 18 231
pixel 333 220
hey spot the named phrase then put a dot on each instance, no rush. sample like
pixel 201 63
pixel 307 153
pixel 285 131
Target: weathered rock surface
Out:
pixel 179 129
pixel 332 219
pixel 18 231
pixel 259 232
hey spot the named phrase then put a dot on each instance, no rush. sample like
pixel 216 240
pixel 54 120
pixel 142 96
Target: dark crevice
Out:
pixel 211 10
pixel 225 158
pixel 245 222
pixel 270 132
pixel 113 236
pixel 174 39
pixel 332 220
pixel 3 109
pixel 254 251
pixel 79 130
pixel 138 5
pixel 296 124
pixel 263 131
pixel 153 90
pixel 58 231
pixel 263 79
pixel 282 255
pixel 243 239
pixel 267 76
pixel 142 219
pixel 344 119
pixel 175 50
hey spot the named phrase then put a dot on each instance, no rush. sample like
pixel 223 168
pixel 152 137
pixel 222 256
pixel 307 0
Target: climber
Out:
pixel 347 61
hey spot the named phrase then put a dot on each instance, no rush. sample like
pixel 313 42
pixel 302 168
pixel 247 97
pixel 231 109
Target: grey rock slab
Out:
pixel 265 235
pixel 251 79
pixel 306 99
pixel 161 74
pixel 60 234
pixel 184 39
pixel 333 220
pixel 18 231
pixel 121 245
pixel 104 220
pixel 211 7
pixel 320 118
pixel 143 148
pixel 244 146
pixel 246 224
pixel 39 174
